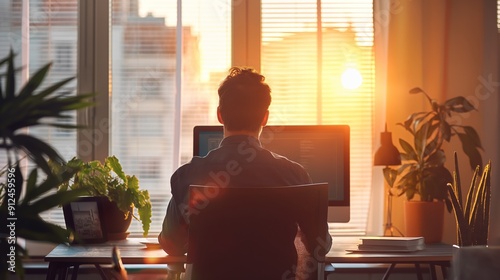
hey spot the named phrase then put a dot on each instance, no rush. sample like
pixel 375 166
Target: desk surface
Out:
pixel 133 252
pixel 431 253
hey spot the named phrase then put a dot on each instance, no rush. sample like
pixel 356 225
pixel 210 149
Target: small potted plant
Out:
pixel 109 180
pixel 422 173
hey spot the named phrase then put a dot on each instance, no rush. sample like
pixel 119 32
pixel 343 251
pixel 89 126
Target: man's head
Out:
pixel 244 99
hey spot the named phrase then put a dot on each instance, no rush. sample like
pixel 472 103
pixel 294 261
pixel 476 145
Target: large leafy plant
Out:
pixel 31 107
pixel 23 200
pixel 423 172
pixel 110 180
pixel 22 209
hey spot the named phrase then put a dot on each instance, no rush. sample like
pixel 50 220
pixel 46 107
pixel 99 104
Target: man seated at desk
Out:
pixel 240 160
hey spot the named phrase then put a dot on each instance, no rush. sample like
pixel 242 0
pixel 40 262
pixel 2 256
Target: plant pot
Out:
pixel 116 225
pixel 423 218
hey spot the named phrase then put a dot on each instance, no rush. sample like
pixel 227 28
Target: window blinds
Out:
pixel 306 49
pixel 44 32
pixel 145 76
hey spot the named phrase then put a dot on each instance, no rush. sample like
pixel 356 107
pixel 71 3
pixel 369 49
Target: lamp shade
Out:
pixel 387 154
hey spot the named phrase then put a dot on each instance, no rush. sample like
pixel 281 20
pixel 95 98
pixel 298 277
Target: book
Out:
pixel 389 248
pixel 392 241
pixel 390 244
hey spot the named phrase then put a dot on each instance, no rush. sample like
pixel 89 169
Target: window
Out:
pixel 43 32
pixel 154 100
pixel 51 30
pixel 146 126
pixel 146 77
pixel 319 62
pixel 161 87
pixel 64 56
pixel 498 14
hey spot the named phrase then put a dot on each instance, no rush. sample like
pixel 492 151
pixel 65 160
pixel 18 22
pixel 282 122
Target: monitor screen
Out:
pixel 323 150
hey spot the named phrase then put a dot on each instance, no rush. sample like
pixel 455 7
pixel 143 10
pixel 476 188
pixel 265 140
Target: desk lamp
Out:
pixel 387 155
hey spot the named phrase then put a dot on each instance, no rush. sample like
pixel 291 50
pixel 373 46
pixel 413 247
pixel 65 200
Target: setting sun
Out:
pixel 351 78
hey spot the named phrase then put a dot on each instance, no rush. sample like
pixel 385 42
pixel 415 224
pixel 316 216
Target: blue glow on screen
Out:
pixel 209 140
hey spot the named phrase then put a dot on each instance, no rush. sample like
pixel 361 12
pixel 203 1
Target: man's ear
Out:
pixel 219 116
pixel 266 117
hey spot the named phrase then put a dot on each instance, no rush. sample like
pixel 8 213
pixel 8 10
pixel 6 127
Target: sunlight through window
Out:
pixel 351 78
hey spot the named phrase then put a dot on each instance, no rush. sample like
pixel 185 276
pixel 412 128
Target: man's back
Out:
pixel 240 161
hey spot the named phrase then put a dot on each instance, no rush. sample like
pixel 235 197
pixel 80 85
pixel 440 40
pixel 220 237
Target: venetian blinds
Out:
pixel 318 57
pixel 498 15
pixel 150 71
pixel 164 86
pixel 40 32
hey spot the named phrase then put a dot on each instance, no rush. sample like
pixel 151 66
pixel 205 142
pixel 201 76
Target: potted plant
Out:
pixel 23 198
pixel 472 214
pixel 122 190
pixel 422 173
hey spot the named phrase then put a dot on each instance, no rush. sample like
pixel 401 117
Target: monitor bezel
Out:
pixel 196 135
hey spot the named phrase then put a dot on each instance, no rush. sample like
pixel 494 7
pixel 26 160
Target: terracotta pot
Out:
pixel 423 218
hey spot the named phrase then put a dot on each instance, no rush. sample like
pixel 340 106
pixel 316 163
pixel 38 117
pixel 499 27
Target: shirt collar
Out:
pixel 236 139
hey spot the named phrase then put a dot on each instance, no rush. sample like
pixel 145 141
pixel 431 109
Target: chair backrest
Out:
pixel 249 232
pixel 476 262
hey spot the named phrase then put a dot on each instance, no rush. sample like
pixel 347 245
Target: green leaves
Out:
pixel 423 171
pixel 28 208
pixel 390 176
pixel 434 181
pixel 33 106
pixel 471 145
pixel 443 129
pixel 459 105
pixel 111 181
pixel 472 217
pixel 115 165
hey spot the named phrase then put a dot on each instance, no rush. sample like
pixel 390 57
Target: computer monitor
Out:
pixel 323 150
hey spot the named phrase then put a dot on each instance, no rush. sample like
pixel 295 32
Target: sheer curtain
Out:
pixel 448 48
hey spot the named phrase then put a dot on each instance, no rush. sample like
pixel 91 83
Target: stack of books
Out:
pixel 391 244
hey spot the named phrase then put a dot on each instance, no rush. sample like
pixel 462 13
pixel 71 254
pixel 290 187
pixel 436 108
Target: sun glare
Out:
pixel 351 78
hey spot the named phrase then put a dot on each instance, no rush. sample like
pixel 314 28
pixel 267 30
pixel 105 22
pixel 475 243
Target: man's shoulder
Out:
pixel 195 160
pixel 292 166
pixel 284 160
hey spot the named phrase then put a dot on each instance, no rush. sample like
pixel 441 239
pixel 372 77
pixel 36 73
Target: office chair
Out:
pixel 476 262
pixel 246 232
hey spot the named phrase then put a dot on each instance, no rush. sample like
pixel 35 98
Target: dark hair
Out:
pixel 244 98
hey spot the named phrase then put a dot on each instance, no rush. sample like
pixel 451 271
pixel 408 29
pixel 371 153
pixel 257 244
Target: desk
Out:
pixel 133 252
pixel 433 255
